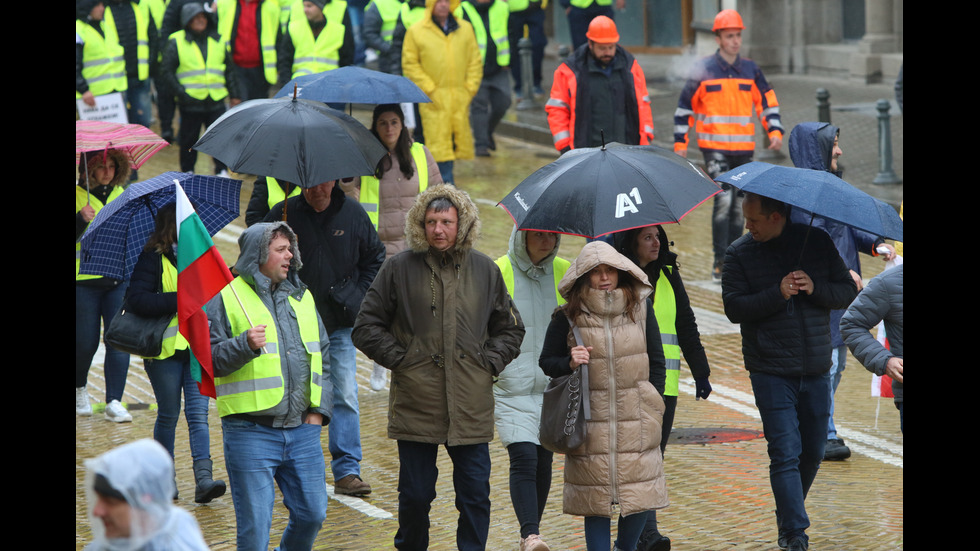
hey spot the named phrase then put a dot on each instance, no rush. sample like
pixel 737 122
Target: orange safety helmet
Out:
pixel 727 19
pixel 602 30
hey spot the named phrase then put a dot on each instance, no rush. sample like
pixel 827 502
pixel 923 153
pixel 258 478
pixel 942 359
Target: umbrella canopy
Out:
pixel 817 192
pixel 113 241
pixel 600 190
pixel 136 140
pixel 300 141
pixel 354 85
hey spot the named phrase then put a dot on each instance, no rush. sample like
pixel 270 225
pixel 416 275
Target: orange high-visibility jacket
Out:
pixel 570 125
pixel 720 99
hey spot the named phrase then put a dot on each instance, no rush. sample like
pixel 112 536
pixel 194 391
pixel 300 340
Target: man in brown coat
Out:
pixel 439 317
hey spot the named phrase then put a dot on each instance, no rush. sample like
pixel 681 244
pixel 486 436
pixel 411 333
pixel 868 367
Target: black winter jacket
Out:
pixel 341 253
pixel 779 336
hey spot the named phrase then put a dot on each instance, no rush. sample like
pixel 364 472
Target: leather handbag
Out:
pixel 138 335
pixel 565 409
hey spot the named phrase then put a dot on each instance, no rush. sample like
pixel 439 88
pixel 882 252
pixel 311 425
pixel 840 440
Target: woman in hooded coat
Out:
pixel 619 468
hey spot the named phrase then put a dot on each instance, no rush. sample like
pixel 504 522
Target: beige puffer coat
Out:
pixel 620 461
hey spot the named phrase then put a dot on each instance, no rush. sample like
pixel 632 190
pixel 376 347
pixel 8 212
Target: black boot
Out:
pixel 206 489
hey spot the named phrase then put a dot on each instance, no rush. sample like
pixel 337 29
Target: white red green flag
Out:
pixel 202 273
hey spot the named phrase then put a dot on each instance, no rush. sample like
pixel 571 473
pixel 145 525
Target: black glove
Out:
pixel 702 388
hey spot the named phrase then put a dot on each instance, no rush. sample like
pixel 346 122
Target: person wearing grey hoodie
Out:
pixel 271 365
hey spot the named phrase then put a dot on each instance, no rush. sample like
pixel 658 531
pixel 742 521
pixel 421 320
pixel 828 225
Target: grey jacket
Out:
pixel 881 300
pixel 230 352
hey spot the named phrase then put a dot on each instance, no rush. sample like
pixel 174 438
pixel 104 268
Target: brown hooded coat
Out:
pixel 445 326
pixel 620 461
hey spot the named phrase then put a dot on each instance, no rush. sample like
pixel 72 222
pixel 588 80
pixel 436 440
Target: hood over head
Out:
pixel 811 145
pixel 254 251
pixel 468 226
pixel 191 9
pixel 518 250
pixel 600 252
pixel 96 159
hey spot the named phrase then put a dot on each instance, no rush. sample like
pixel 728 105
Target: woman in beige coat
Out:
pixel 619 468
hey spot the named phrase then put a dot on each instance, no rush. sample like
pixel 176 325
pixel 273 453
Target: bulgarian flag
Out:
pixel 881 385
pixel 202 273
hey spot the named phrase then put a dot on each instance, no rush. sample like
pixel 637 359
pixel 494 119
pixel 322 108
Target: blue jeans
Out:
pixel 417 488
pixel 345 423
pixel 794 413
pixel 598 529
pixel 356 14
pixel 140 108
pixel 446 170
pixel 255 456
pixel 94 308
pixel 837 361
pixel 169 377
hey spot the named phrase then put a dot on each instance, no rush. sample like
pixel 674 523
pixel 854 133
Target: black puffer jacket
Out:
pixel 779 336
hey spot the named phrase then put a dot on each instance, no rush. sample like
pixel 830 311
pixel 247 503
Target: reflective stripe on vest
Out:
pixel 141 12
pixel 315 55
pixel 269 25
pixel 388 10
pixel 498 29
pixel 370 197
pixel 558 267
pixel 172 339
pixel 665 308
pixel 201 79
pixel 82 198
pixel 275 193
pixel 258 385
pixel 103 64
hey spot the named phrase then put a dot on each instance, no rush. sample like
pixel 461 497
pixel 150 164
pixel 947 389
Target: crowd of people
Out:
pixel 386 264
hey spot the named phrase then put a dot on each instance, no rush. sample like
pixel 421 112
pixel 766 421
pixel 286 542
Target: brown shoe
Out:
pixel 533 542
pixel 351 485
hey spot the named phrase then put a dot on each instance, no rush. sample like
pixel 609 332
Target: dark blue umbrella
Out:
pixel 817 192
pixel 113 241
pixel 354 85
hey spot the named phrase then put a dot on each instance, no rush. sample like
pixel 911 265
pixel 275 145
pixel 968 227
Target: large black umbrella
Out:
pixel 818 192
pixel 300 141
pixel 600 190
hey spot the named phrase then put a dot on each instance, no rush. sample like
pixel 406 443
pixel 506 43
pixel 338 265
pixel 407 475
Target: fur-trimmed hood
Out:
pixel 468 226
pixel 96 159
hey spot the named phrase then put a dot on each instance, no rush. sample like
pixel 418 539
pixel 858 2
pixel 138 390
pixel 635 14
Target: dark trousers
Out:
pixel 191 122
pixel 417 488
pixel 534 19
pixel 530 483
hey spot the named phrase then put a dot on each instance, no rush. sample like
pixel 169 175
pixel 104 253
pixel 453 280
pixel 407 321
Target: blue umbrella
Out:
pixel 113 241
pixel 354 85
pixel 817 192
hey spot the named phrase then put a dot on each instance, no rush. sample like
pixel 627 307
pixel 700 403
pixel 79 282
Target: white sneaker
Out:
pixel 115 412
pixel 379 376
pixel 82 405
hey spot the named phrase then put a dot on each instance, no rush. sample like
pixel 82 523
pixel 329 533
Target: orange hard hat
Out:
pixel 602 30
pixel 727 19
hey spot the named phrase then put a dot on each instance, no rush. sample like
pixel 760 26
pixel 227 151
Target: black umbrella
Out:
pixel 296 140
pixel 596 191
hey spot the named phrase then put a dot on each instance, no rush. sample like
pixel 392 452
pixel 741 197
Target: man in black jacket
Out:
pixel 343 254
pixel 780 282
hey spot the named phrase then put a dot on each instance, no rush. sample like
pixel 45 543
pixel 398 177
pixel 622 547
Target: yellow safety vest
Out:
pixel 388 10
pixel 103 64
pixel 558 267
pixel 275 194
pixel 82 198
pixel 499 13
pixel 269 14
pixel 172 339
pixel 315 55
pixel 665 308
pixel 201 78
pixel 258 385
pixel 586 3
pixel 370 197
pixel 410 15
pixel 142 13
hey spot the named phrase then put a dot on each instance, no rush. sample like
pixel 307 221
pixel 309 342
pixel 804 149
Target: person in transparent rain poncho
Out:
pixel 130 491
